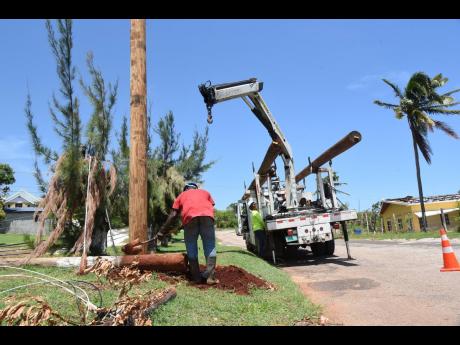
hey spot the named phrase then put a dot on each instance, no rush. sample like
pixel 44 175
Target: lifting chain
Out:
pixel 209 107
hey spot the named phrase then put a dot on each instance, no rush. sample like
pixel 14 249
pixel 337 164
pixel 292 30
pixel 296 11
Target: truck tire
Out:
pixel 318 248
pixel 291 251
pixel 330 247
pixel 250 247
pixel 279 244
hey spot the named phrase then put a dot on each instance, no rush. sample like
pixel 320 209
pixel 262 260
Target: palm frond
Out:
pixel 446 129
pixel 433 97
pixel 394 87
pixel 419 86
pixel 436 111
pixel 450 93
pixel 399 114
pixel 422 117
pixel 444 105
pixel 386 105
pixel 438 80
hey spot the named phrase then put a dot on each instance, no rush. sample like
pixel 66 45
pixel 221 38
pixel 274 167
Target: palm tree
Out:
pixel 419 102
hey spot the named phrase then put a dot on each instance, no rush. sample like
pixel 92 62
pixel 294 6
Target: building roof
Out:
pixel 23 195
pixel 436 212
pixel 410 200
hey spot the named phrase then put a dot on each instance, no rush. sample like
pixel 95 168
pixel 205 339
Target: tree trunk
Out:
pixel 138 135
pixel 99 236
pixel 419 181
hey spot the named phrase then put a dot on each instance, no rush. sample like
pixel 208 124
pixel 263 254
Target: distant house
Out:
pixel 20 208
pixel 404 214
pixel 21 200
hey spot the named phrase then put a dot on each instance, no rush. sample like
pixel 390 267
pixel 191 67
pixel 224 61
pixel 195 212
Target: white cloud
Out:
pixel 13 148
pixel 397 77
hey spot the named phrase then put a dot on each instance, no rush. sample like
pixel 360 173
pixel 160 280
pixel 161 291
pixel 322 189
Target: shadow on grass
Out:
pixel 170 251
pixel 177 240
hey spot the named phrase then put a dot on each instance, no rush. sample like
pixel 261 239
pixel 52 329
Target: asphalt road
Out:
pixel 388 283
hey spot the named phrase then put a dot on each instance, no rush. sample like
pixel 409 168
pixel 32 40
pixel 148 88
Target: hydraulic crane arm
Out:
pixel 248 90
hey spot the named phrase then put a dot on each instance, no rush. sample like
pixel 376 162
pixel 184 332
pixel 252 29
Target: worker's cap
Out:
pixel 190 185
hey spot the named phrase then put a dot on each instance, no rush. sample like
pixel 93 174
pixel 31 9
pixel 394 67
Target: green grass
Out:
pixel 400 235
pixel 283 306
pixel 11 238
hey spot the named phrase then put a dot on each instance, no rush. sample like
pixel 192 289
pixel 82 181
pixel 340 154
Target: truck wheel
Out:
pixel 330 247
pixel 291 251
pixel 249 246
pixel 279 244
pixel 318 248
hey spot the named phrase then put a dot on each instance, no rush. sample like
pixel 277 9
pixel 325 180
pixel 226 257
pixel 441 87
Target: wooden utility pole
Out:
pixel 138 135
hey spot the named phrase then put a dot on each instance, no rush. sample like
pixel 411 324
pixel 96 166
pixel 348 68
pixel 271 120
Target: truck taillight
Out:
pixel 336 226
pixel 291 232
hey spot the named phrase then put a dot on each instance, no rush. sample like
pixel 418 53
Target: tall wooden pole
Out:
pixel 138 135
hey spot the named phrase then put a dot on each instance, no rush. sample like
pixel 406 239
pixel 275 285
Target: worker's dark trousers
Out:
pixel 204 227
pixel 260 236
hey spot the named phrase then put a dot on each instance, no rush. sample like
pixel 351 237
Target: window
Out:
pixel 400 224
pixel 389 225
pixel 18 204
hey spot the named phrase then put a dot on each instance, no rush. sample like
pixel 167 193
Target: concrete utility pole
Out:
pixel 138 135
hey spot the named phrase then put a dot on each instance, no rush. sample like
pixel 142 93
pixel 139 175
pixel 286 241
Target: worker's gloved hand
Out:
pixel 160 235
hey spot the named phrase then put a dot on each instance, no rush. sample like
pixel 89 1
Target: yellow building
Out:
pixel 404 214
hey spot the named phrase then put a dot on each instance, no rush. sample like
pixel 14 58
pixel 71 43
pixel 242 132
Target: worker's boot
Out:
pixel 210 273
pixel 194 270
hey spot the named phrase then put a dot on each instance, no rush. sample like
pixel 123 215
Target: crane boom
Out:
pixel 249 91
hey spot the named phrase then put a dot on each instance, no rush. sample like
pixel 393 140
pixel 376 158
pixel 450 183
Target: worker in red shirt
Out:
pixel 196 207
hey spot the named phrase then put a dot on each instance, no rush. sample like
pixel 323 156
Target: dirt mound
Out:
pixel 231 278
pixel 237 280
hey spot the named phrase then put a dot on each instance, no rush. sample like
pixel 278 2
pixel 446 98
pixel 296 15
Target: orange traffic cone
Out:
pixel 450 261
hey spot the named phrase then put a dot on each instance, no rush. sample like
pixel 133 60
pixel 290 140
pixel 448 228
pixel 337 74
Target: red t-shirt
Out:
pixel 194 203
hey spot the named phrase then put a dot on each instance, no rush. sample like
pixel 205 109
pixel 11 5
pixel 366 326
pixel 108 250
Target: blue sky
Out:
pixel 320 79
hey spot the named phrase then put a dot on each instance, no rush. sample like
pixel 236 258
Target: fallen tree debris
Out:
pixel 101 183
pixel 31 312
pixel 319 321
pixel 134 311
pixel 127 310
pixel 119 277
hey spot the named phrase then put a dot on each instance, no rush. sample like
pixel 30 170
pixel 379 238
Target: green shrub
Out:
pixel 27 238
pixel 225 219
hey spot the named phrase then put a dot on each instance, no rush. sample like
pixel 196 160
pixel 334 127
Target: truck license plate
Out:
pixel 291 238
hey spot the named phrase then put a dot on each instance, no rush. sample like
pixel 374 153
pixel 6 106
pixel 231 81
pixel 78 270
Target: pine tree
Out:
pixel 169 142
pixel 191 159
pixel 119 201
pixel 75 172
